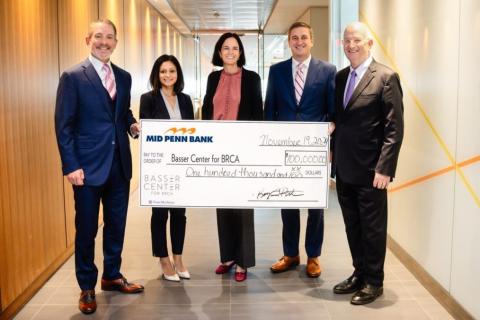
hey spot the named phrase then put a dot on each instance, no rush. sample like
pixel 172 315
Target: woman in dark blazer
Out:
pixel 166 101
pixel 233 93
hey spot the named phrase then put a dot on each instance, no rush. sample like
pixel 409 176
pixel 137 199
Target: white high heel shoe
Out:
pixel 174 278
pixel 183 274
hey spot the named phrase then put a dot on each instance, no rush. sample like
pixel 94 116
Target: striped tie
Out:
pixel 109 81
pixel 299 82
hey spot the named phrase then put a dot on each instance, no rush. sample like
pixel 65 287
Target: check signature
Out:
pixel 279 193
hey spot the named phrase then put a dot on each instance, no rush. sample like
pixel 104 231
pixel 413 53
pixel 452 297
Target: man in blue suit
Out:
pixel 301 89
pixel 92 119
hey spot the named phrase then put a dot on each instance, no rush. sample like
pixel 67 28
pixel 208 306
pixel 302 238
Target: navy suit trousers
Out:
pixel 114 194
pixel 291 232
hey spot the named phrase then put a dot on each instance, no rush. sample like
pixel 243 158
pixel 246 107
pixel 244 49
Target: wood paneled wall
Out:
pixel 32 207
pixel 38 40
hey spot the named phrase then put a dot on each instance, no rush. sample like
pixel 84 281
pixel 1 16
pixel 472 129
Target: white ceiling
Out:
pixel 216 15
pixel 207 16
pixel 287 12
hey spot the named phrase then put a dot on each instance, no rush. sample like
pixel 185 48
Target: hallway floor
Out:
pixel 290 295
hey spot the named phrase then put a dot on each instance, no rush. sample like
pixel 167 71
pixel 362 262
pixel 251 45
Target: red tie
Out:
pixel 109 81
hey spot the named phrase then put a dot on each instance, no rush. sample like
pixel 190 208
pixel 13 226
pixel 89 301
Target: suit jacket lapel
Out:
pixel 161 107
pixel 120 90
pixel 181 105
pixel 311 74
pixel 290 89
pixel 367 77
pixel 92 75
pixel 342 83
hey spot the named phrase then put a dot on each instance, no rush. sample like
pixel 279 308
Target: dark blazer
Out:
pixel 251 107
pixel 369 131
pixel 318 98
pixel 88 129
pixel 152 106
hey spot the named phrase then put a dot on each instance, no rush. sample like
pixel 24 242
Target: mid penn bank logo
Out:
pixel 180 135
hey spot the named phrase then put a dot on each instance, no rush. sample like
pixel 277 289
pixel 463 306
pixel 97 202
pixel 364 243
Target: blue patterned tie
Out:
pixel 350 88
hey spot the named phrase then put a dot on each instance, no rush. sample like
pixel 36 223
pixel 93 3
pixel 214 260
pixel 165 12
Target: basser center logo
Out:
pixel 175 134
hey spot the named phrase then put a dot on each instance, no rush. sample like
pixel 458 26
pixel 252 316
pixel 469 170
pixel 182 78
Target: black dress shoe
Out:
pixel 367 294
pixel 350 285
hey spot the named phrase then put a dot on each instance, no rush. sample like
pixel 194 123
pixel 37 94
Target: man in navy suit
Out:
pixel 301 89
pixel 92 119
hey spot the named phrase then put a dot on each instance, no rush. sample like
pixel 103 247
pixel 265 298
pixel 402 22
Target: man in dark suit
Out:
pixel 92 118
pixel 301 89
pixel 368 136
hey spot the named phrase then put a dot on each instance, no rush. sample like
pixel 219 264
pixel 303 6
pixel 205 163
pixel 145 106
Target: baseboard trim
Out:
pixel 435 289
pixel 36 285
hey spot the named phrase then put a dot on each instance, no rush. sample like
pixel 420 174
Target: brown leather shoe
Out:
pixel 313 267
pixel 121 285
pixel 87 303
pixel 285 263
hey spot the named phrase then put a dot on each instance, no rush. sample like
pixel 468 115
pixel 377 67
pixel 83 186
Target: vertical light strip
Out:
pixel 167 39
pixel 159 36
pixel 112 9
pixel 424 114
pixel 180 50
pixel 148 47
pixel 174 43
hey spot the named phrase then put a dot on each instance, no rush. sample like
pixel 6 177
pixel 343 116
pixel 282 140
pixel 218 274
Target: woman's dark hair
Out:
pixel 217 60
pixel 155 74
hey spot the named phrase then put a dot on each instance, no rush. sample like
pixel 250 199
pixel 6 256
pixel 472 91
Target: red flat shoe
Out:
pixel 241 276
pixel 222 268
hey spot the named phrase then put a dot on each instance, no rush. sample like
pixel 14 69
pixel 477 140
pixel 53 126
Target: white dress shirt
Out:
pixel 295 63
pixel 98 66
pixel 360 71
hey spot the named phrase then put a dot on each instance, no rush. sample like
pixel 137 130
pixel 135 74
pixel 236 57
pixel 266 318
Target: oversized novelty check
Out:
pixel 234 164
